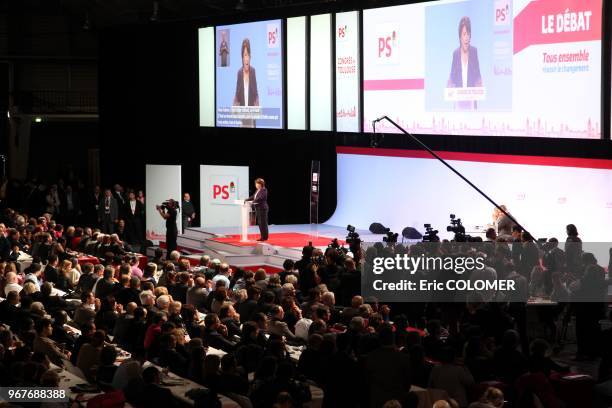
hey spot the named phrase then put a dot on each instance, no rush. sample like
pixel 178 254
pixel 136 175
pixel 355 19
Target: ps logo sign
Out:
pixel 224 188
pixel 342 31
pixel 385 45
pixel 222 191
pixel 502 12
pixel 273 35
pixel 387 51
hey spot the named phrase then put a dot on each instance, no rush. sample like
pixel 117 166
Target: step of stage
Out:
pixel 197 233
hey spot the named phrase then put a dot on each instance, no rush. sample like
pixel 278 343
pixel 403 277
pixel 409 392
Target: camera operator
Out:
pixel 168 211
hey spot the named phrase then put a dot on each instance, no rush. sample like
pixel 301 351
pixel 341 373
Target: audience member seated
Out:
pixel 451 377
pixel 89 355
pixel 215 334
pixel 44 344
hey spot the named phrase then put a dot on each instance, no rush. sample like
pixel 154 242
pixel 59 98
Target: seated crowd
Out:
pixel 274 334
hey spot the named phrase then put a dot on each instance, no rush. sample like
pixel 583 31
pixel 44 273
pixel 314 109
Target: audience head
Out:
pixel 150 375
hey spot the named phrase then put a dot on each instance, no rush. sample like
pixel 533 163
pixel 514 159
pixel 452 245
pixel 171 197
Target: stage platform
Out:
pixel 285 242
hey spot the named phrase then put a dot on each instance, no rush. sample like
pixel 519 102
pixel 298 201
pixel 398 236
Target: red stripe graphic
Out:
pixel 482 157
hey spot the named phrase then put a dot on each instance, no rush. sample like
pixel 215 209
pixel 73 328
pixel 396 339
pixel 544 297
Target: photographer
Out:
pixel 168 211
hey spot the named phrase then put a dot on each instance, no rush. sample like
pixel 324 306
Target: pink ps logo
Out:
pixel 502 12
pixel 342 31
pixel 273 35
pixel 387 43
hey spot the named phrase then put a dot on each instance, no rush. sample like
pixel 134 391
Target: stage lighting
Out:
pixel 38 119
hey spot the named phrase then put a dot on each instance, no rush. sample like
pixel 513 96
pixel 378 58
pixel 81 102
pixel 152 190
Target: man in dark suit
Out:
pixel 108 213
pixel 51 273
pixel 134 219
pixel 260 202
pixel 9 308
pixel 189 213
pixel 71 205
pixel 119 195
pixel 5 245
pixel 465 57
pixel 387 371
pixel 93 205
pixel 215 334
pixel 152 393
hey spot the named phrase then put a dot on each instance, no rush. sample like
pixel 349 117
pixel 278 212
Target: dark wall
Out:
pixel 149 114
pixel 70 163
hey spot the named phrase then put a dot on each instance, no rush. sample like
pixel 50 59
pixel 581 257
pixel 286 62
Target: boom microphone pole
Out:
pixel 424 146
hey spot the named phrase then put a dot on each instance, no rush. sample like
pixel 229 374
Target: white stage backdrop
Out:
pixel 219 187
pixel 162 182
pixel 401 188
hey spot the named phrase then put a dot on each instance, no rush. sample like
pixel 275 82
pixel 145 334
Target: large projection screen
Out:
pixel 206 66
pixel 320 72
pixel 347 72
pixel 249 75
pixel 296 73
pixel 517 68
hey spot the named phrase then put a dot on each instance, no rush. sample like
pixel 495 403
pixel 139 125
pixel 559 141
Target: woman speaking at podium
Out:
pixel 260 202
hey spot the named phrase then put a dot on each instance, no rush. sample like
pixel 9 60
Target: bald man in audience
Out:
pixel 349 312
pixel 123 324
pixel 11 283
pixel 196 295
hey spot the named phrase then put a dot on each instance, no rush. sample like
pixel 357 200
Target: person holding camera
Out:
pixel 168 211
pixel 260 202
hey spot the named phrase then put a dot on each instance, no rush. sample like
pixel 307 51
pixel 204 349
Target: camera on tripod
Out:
pixel 352 239
pixel 458 229
pixel 431 235
pixel 391 237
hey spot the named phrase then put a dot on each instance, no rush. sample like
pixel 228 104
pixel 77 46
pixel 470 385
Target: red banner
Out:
pixel 557 21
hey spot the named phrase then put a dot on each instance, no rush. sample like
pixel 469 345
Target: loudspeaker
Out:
pixel 378 228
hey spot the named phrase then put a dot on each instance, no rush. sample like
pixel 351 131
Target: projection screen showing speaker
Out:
pixel 515 68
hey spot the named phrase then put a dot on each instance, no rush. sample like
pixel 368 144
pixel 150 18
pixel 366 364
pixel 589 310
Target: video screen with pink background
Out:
pixel 503 67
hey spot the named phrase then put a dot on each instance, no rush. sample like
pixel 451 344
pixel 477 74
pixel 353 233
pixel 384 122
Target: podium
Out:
pixel 245 209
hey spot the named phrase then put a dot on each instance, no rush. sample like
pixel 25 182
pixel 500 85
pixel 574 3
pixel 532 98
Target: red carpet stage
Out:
pixel 281 239
pixel 285 242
